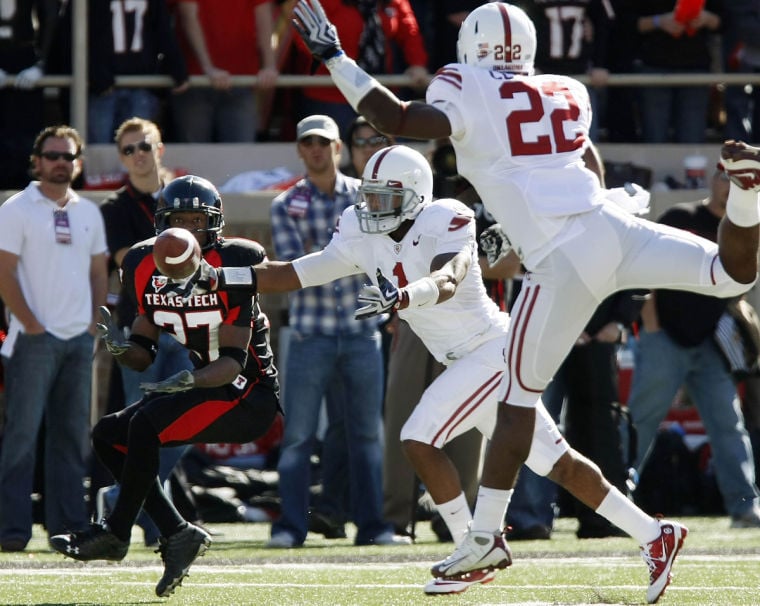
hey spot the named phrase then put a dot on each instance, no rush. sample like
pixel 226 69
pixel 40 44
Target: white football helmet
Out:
pixel 498 36
pixel 396 183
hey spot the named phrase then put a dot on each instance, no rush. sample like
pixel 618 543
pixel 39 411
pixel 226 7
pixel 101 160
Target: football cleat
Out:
pixel 659 556
pixel 178 552
pixel 480 551
pixel 95 543
pixel 459 583
pixel 741 163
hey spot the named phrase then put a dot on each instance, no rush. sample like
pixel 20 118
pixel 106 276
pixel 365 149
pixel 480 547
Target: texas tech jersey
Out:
pixel 195 322
pixel 516 137
pixel 448 329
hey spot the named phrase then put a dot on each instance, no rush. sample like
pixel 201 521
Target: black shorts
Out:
pixel 201 415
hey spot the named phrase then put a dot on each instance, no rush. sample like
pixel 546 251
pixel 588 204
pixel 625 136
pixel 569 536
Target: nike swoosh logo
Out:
pixel 416 242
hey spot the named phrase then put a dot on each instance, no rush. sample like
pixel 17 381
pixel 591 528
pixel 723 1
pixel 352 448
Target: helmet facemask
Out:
pixel 382 207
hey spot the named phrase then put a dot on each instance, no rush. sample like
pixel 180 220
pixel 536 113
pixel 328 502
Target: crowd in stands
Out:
pixel 185 38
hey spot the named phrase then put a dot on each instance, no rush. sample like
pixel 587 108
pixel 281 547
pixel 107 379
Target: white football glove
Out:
pixel 315 28
pixel 182 381
pixel 28 78
pixel 495 244
pixel 376 299
pixel 113 337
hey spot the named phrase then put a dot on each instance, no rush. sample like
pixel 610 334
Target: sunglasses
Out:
pixel 54 156
pixel 373 141
pixel 312 139
pixel 131 148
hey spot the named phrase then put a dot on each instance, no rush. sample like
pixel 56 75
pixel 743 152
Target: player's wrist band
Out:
pixel 237 278
pixel 351 80
pixel 147 344
pixel 421 293
pixel 656 21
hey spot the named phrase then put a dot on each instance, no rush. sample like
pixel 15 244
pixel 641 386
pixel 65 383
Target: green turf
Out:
pixel 717 566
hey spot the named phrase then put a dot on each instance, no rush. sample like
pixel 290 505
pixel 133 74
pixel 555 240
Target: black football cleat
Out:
pixel 95 543
pixel 178 552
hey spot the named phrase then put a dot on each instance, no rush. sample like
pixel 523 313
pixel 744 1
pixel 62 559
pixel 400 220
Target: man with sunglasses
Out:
pixel 330 354
pixel 129 218
pixel 53 278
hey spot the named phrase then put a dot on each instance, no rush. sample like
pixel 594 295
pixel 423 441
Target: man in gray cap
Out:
pixel 331 355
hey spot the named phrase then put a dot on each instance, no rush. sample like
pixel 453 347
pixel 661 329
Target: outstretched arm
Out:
pixel 366 95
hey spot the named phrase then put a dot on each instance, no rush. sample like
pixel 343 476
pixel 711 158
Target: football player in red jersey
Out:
pixel 232 395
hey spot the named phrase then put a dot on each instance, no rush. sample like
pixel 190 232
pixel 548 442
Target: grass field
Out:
pixel 718 566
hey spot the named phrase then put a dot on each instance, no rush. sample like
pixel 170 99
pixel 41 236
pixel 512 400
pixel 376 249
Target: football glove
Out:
pixel 376 299
pixel 113 337
pixel 319 35
pixel 182 381
pixel 495 244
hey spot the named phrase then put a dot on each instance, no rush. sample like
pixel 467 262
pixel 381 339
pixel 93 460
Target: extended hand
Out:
pixel 316 30
pixel 112 336
pixel 376 299
pixel 182 381
pixel 495 244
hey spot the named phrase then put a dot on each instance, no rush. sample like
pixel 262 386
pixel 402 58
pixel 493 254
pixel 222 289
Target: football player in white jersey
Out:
pixel 521 140
pixel 423 260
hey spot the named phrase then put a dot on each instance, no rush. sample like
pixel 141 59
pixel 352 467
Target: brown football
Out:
pixel 177 253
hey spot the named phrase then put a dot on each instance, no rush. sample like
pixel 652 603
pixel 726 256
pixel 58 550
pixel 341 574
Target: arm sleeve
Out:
pixel 323 267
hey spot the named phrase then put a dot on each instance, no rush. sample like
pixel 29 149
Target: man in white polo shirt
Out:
pixel 53 278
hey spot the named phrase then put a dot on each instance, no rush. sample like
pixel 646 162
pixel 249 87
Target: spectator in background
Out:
pixel 574 36
pixel 129 215
pixel 741 53
pixel 369 30
pixel 675 347
pixel 129 39
pixel 362 140
pixel 671 44
pixel 327 344
pixel 27 32
pixel 330 511
pixel 53 278
pixel 220 41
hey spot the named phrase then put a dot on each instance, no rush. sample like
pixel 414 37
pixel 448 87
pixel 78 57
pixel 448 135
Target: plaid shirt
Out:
pixel 303 221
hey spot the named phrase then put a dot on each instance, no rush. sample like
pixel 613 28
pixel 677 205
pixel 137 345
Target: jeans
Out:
pixel 661 368
pixel 49 377
pixel 311 363
pixel 205 115
pixel 171 357
pixel 107 111
pixel 682 108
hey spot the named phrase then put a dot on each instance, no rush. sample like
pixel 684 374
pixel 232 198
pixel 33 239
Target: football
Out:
pixel 177 253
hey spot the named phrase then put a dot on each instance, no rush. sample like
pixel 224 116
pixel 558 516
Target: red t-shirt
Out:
pixel 229 28
pixel 399 24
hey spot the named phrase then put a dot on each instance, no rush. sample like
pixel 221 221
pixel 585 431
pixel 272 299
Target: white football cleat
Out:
pixel 659 556
pixel 480 551
pixel 460 583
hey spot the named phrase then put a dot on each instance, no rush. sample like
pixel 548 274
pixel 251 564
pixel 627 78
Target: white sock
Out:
pixel 491 509
pixel 742 207
pixel 456 513
pixel 624 514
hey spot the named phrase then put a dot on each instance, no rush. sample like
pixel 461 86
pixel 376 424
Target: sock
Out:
pixel 456 513
pixel 491 509
pixel 742 207
pixel 624 514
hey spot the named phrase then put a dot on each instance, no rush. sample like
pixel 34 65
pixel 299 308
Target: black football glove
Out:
pixel 113 337
pixel 376 299
pixel 494 243
pixel 182 381
pixel 315 29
